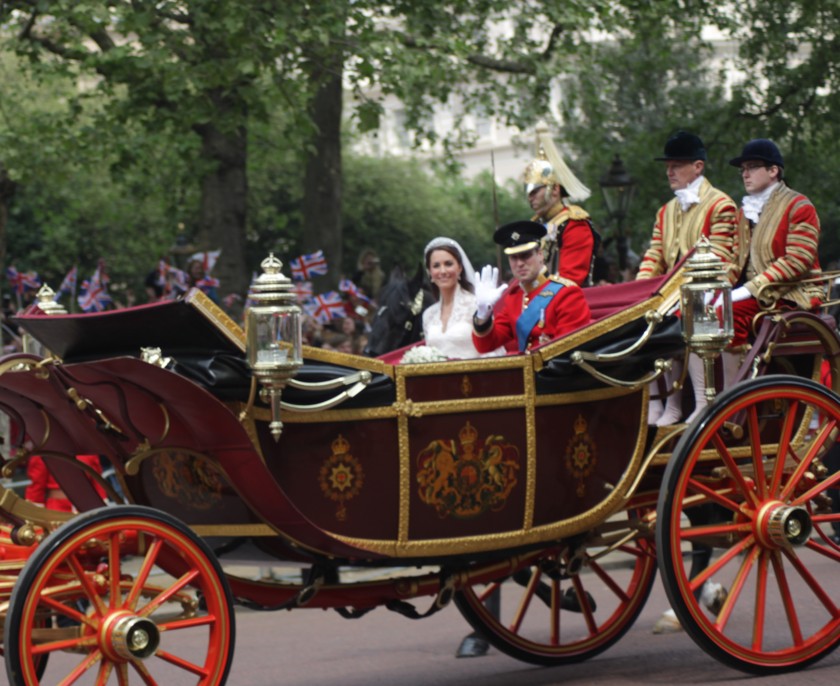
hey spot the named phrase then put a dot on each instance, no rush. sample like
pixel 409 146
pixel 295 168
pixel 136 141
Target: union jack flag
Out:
pixel 68 285
pixel 93 298
pixel 208 259
pixel 23 281
pixel 93 294
pixel 347 286
pixel 306 266
pixel 303 290
pixel 325 306
pixel 207 283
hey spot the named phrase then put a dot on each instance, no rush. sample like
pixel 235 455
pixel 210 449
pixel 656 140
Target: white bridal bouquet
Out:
pixel 422 353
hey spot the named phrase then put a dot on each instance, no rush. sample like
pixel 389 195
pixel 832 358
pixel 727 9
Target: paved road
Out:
pixel 315 647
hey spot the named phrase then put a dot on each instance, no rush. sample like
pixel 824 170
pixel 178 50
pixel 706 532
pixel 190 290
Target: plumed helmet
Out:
pixel 761 150
pixel 548 168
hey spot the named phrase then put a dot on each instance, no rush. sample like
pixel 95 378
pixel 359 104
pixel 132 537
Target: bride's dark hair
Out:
pixel 462 277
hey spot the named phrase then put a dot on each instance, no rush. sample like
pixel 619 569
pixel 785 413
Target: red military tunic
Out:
pixel 44 489
pixel 567 311
pixel 576 241
pixel 780 248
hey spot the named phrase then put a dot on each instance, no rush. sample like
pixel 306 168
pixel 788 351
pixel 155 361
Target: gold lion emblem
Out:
pixel 191 479
pixel 467 479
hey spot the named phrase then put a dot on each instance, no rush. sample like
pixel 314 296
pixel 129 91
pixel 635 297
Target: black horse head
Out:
pixel 399 320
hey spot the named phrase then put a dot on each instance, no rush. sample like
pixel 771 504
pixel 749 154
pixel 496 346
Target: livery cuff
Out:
pixel 482 328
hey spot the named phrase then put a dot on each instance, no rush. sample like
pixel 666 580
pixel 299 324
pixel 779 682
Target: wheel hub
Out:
pixel 125 636
pixel 779 525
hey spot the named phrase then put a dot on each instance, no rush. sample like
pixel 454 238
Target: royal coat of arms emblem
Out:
pixel 469 478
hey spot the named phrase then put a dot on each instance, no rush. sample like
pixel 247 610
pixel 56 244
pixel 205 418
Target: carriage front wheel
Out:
pixel 747 481
pixel 123 595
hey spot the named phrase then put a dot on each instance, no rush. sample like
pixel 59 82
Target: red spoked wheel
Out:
pixel 571 603
pixel 120 595
pixel 754 457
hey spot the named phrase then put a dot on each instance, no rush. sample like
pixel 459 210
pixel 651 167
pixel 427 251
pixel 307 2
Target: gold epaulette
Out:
pixel 560 279
pixel 574 212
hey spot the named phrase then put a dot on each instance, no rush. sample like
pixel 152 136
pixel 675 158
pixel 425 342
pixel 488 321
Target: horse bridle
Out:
pixel 415 309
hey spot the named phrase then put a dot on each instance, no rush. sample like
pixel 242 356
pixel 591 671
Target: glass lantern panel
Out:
pixel 278 338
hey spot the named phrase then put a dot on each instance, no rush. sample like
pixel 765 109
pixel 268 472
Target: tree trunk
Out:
pixel 7 190
pixel 322 226
pixel 222 215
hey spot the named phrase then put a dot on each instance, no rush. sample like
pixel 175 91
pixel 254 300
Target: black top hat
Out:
pixel 761 149
pixel 519 236
pixel 683 146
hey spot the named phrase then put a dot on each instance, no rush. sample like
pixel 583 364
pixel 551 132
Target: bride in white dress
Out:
pixel 447 325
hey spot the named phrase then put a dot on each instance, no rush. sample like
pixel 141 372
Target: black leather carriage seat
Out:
pixel 559 375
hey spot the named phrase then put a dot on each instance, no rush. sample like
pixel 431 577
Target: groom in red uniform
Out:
pixel 536 308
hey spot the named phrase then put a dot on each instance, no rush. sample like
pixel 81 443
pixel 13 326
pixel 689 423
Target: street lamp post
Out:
pixel 618 188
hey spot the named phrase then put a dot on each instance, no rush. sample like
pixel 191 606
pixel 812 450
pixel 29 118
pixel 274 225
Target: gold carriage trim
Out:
pixel 467 479
pixel 341 477
pixel 581 455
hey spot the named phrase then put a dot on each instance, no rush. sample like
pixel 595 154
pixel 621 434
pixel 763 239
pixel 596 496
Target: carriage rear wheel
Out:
pixel 755 457
pixel 120 595
pixel 572 603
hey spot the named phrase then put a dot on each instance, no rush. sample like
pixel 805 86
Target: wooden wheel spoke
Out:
pixel 755 450
pixel 816 489
pixel 66 610
pixel 143 574
pixel 760 602
pixel 715 530
pixel 105 670
pixel 585 608
pixel 710 495
pixel 63 643
pixel 525 602
pixel 188 623
pixel 736 588
pixel 787 600
pixel 87 583
pixel 734 471
pixel 783 448
pixel 804 464
pixel 489 589
pixel 721 562
pixel 143 671
pixel 166 594
pixel 90 660
pixel 114 570
pixel 182 663
pixel 609 582
pixel 810 580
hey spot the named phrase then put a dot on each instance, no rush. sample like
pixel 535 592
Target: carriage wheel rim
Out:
pixel 118 632
pixel 775 529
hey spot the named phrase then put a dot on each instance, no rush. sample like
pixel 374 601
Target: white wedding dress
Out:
pixel 456 341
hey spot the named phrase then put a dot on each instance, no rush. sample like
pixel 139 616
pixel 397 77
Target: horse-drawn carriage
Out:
pixel 536 473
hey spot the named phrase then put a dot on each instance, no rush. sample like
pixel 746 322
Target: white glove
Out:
pixel 487 293
pixel 740 293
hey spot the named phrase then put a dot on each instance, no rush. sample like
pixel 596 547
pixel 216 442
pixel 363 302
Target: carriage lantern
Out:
pixel 273 335
pixel 46 302
pixel 706 332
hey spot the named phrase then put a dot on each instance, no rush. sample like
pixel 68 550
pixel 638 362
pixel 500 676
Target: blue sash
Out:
pixel 535 310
